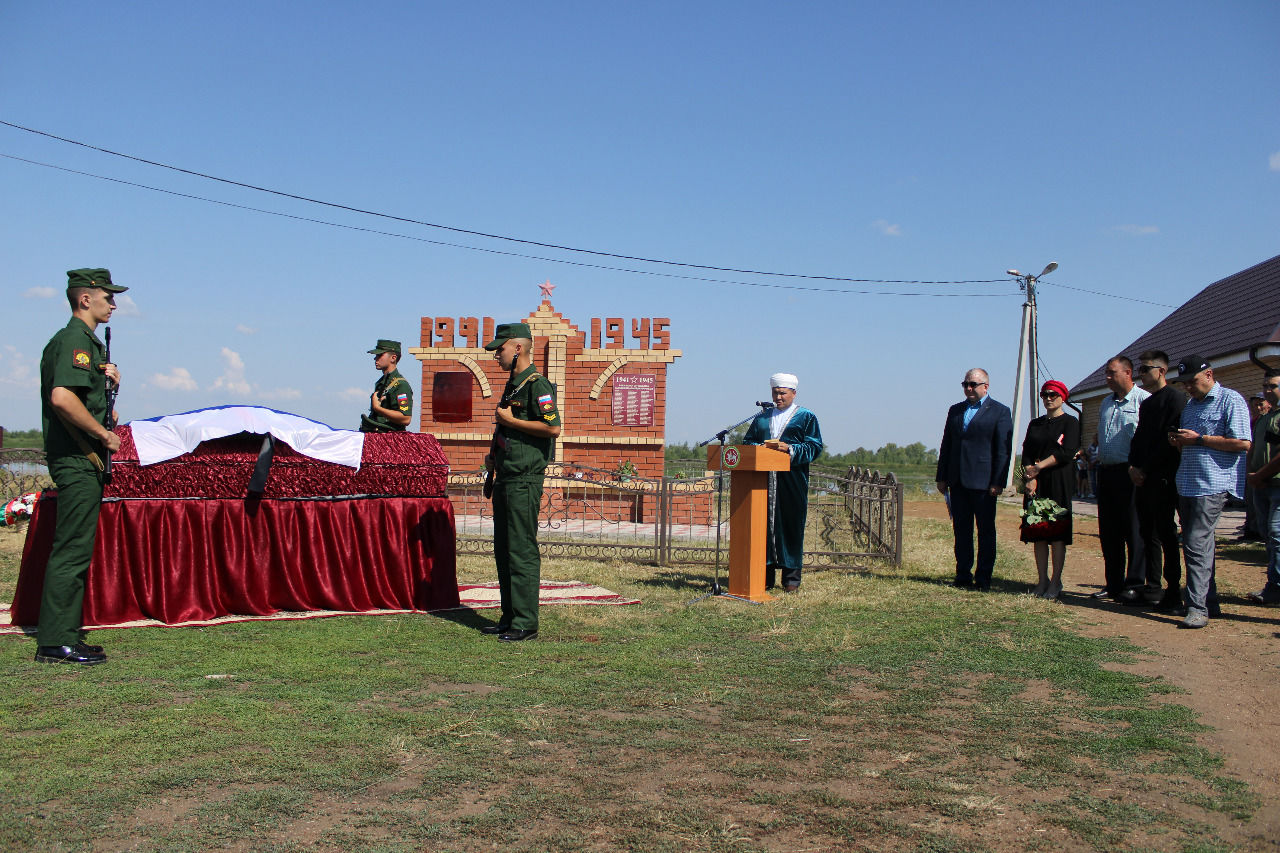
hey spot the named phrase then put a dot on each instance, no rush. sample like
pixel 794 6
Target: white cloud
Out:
pixel 177 379
pixel 281 394
pixel 232 378
pixel 1275 162
pixel 354 394
pixel 1138 230
pixel 246 330
pixel 40 293
pixel 17 370
pixel 126 307
pixel 887 228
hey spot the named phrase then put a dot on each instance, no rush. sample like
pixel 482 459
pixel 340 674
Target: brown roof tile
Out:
pixel 1228 316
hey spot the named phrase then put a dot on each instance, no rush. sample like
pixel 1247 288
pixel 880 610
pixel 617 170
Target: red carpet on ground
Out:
pixel 470 596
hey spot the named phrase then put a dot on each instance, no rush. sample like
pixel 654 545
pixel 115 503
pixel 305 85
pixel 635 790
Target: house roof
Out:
pixel 1228 316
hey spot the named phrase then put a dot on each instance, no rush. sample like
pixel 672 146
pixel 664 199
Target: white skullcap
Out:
pixel 784 380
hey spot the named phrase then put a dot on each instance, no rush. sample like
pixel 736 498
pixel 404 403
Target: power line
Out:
pixel 375 231
pixel 1112 295
pixel 474 233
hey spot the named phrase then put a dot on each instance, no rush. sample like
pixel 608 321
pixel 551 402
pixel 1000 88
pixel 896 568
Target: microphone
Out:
pixel 765 406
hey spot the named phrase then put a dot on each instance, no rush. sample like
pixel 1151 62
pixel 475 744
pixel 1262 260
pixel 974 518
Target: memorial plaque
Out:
pixel 451 397
pixel 633 399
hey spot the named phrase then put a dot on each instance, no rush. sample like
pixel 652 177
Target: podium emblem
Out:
pixel 730 458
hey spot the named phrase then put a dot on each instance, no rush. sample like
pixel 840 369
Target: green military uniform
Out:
pixel 520 460
pixel 1266 444
pixel 394 392
pixel 72 359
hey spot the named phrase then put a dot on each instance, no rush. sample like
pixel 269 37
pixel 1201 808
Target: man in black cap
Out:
pixel 1214 435
pixel 392 400
pixel 528 424
pixel 74 374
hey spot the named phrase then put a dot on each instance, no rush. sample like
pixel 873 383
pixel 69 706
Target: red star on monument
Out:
pixel 546 287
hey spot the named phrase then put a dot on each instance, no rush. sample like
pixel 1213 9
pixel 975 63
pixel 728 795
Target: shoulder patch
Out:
pixel 80 358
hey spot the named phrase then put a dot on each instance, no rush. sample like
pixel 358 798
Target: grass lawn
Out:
pixel 869 712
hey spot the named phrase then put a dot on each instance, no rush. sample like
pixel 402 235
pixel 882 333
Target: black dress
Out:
pixel 1060 438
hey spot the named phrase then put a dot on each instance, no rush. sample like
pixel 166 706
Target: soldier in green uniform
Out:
pixel 392 399
pixel 74 373
pixel 528 423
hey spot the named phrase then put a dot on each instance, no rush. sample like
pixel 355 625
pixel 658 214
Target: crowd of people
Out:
pixel 1162 448
pixel 1170 451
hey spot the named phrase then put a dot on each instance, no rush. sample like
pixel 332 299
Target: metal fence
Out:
pixel 854 515
pixel 22 470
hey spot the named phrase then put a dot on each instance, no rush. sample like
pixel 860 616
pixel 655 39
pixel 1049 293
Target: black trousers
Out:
pixel 1157 501
pixel 970 508
pixel 1115 525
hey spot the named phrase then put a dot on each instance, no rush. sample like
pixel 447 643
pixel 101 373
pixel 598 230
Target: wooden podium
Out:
pixel 748 512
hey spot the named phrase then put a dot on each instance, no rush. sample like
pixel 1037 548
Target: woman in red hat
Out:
pixel 1047 453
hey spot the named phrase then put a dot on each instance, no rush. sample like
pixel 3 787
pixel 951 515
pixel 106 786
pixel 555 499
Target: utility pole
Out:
pixel 1028 351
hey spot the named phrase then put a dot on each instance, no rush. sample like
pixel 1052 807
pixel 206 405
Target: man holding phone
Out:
pixel 1214 434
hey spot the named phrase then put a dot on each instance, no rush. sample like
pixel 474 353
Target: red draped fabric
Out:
pixel 405 464
pixel 180 560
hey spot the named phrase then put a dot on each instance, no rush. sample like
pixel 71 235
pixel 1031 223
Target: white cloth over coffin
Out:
pixel 170 436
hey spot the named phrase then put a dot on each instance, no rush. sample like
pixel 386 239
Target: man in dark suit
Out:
pixel 973 467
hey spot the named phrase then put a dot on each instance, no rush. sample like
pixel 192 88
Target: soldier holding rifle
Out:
pixel 527 425
pixel 75 416
pixel 392 399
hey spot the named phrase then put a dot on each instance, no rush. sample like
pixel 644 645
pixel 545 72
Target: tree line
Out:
pixel 889 455
pixel 14 438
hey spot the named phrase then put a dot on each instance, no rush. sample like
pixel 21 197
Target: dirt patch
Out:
pixel 1229 670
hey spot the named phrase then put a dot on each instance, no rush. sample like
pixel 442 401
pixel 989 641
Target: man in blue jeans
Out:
pixel 1215 435
pixel 1264 463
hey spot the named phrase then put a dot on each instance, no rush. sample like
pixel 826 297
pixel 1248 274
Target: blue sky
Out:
pixel 1136 144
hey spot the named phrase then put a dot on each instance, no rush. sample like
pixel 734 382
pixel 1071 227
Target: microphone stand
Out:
pixel 716 588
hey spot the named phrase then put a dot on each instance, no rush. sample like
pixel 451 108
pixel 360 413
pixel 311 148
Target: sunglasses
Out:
pixel 1143 368
pixel 1271 386
pixel 971 384
pixel 1049 394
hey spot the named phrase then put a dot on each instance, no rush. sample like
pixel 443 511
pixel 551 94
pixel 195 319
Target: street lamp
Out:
pixel 1027 341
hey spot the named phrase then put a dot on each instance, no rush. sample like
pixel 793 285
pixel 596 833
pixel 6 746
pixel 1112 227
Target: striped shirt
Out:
pixel 1204 471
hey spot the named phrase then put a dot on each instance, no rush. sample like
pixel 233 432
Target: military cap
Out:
pixel 507 331
pixel 93 278
pixel 385 345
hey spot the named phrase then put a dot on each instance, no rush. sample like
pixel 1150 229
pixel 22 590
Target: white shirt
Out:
pixel 778 420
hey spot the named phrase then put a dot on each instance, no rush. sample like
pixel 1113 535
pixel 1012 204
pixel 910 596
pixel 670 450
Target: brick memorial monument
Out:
pixel 611 386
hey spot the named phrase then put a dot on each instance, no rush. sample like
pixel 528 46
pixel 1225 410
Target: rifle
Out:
pixel 109 420
pixel 493 446
pixel 505 403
